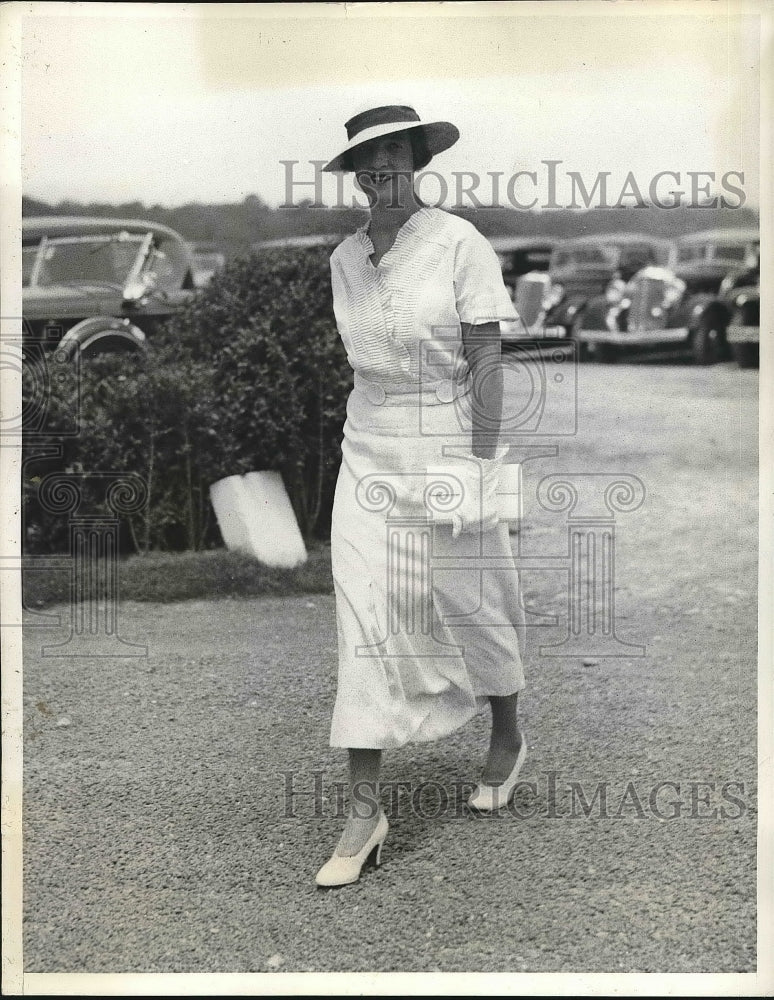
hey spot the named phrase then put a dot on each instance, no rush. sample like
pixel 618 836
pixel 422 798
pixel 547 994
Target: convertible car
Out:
pixel 95 285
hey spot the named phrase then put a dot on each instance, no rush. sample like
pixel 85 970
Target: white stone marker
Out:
pixel 255 516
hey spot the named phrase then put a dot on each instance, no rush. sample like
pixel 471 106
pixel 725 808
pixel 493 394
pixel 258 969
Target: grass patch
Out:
pixel 179 576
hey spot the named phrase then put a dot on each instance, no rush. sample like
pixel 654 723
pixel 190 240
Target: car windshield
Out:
pixel 713 251
pixel 590 255
pixel 730 251
pixel 28 262
pixel 692 251
pixel 104 259
pixel 532 260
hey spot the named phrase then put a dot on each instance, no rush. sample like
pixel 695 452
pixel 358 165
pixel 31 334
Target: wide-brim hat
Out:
pixel 391 118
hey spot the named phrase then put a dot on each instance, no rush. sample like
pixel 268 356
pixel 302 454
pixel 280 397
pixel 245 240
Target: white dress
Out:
pixel 426 623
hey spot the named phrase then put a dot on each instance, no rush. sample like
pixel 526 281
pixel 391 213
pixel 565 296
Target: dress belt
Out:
pixel 425 392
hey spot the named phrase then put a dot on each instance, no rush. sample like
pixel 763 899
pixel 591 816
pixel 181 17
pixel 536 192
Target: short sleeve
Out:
pixel 479 290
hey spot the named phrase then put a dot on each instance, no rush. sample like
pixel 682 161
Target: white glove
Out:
pixel 474 482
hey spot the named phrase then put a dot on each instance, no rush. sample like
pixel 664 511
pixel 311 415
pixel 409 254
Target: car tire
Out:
pixel 602 354
pixel 747 355
pixel 573 334
pixel 707 343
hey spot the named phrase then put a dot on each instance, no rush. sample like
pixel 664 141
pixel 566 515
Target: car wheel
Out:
pixel 747 355
pixel 573 334
pixel 706 344
pixel 603 354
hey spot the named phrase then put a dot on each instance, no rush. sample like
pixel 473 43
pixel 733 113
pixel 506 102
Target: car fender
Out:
pixel 565 313
pixel 97 332
pixel 594 316
pixel 703 307
pixel 744 305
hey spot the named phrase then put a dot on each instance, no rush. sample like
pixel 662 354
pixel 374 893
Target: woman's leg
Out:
pixel 505 741
pixel 363 814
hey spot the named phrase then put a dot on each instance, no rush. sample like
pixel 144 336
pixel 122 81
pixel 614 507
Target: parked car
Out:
pixel 707 256
pixel 742 291
pixel 582 268
pixel 94 285
pixel 207 262
pixel 519 255
pixel 680 308
pixel 524 262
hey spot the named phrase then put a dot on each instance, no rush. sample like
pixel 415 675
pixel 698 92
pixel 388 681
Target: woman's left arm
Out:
pixel 482 350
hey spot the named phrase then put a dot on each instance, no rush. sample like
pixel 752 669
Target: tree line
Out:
pixel 235 227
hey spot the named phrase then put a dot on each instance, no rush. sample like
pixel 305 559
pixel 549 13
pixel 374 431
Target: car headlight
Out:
pixel 552 296
pixel 673 293
pixel 615 291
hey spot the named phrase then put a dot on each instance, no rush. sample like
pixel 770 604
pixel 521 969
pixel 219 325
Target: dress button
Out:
pixel 376 394
pixel 445 392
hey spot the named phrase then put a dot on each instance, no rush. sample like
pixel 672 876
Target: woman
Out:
pixel 427 603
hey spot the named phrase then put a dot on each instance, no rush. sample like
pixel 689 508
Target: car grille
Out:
pixel 530 289
pixel 647 298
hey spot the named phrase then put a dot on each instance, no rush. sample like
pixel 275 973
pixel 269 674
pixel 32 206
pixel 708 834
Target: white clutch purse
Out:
pixel 442 491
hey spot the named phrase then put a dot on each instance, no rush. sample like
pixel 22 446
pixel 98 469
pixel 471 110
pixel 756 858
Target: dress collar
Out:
pixel 409 227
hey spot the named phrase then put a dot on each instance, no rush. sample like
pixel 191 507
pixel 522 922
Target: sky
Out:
pixel 172 103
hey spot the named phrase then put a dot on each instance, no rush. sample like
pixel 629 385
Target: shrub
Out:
pixel 49 407
pixel 138 414
pixel 280 378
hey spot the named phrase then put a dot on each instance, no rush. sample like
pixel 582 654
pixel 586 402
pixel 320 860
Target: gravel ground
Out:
pixel 159 836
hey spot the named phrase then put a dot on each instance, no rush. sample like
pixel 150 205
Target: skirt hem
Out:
pixel 396 744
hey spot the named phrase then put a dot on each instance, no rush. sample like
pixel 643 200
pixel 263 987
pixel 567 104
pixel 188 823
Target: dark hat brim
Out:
pixel 438 136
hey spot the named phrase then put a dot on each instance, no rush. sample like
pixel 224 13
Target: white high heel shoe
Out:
pixel 343 870
pixel 490 798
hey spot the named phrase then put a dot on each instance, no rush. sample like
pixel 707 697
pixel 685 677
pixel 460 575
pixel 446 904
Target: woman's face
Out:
pixel 384 168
